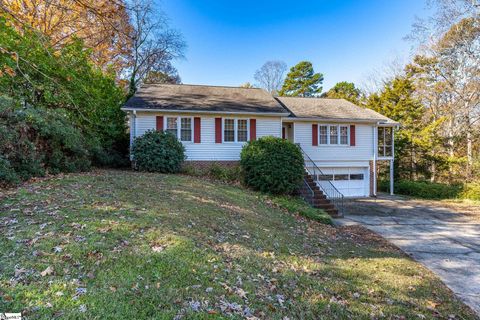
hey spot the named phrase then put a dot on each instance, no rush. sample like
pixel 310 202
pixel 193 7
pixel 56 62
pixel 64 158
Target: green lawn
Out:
pixel 127 245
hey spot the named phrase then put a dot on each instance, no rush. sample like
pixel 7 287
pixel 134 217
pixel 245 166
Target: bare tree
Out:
pixel 155 44
pixel 270 76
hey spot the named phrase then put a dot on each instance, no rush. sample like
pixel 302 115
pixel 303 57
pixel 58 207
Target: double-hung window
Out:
pixel 323 134
pixel 329 134
pixel 242 130
pixel 344 135
pixel 180 127
pixel 172 126
pixel 186 129
pixel 333 135
pixel 235 130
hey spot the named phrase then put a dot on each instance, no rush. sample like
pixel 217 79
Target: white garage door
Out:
pixel 352 182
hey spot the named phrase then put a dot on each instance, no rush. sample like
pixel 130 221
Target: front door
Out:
pixel 287 131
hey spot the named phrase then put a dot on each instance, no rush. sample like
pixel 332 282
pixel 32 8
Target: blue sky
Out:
pixel 345 40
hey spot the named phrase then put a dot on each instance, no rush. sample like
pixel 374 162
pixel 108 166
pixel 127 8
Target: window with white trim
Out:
pixel 235 130
pixel 229 130
pixel 344 135
pixel 329 134
pixel 242 130
pixel 333 135
pixel 184 131
pixel 385 141
pixel 172 125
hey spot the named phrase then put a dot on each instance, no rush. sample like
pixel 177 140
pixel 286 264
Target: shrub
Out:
pixel 272 165
pixel 424 189
pixel 7 173
pixel 37 141
pixel 158 151
pixel 471 191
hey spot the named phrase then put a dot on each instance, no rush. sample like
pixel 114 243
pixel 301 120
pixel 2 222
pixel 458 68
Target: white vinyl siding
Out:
pixel 208 150
pixel 362 151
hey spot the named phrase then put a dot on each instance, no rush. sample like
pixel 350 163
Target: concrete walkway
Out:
pixel 444 239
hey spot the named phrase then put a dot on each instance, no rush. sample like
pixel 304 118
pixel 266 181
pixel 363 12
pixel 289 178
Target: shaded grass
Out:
pixel 127 245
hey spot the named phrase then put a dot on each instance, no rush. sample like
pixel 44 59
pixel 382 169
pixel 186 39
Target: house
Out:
pixel 341 142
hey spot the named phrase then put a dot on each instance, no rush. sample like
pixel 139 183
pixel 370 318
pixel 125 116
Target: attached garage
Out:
pixel 351 181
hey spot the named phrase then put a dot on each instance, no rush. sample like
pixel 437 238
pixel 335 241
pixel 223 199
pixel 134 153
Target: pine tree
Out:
pixel 302 81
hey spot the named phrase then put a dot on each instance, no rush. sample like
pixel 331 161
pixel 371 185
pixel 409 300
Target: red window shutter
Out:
pixel 197 130
pixel 314 134
pixel 159 123
pixel 218 130
pixel 352 135
pixel 253 129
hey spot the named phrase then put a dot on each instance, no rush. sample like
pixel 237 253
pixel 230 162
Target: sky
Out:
pixel 346 40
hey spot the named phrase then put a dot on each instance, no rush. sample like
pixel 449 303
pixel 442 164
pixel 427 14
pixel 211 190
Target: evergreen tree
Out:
pixel 416 138
pixel 302 81
pixel 344 90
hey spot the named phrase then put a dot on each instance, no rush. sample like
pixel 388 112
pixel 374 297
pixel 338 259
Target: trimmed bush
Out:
pixel 158 151
pixel 272 165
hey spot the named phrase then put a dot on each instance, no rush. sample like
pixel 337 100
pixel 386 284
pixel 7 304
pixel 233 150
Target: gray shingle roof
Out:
pixel 184 97
pixel 330 109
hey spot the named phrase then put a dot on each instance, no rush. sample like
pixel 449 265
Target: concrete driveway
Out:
pixel 445 237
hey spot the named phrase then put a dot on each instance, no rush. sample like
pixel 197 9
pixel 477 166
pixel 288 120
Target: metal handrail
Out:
pixel 330 191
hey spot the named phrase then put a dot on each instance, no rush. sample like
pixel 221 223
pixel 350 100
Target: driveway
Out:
pixel 445 237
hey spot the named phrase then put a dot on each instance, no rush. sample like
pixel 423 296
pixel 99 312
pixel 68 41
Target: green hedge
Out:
pixel 272 165
pixel 424 189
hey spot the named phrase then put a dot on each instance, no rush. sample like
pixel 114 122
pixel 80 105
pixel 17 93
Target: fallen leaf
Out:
pixel 47 272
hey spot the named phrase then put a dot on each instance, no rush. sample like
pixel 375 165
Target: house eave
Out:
pixel 341 120
pixel 266 114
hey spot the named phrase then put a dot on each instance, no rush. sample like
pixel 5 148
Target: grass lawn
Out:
pixel 127 245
